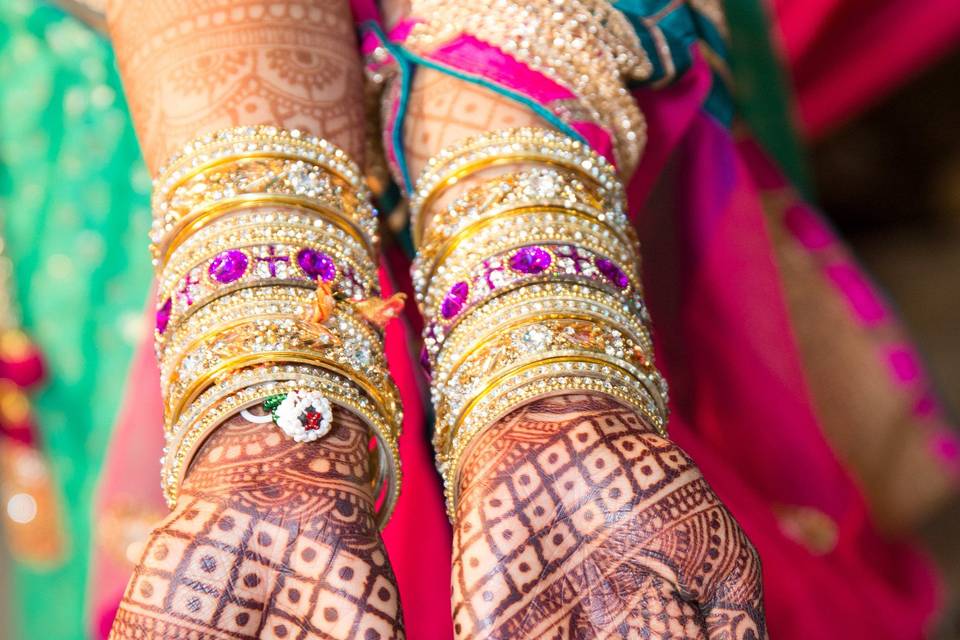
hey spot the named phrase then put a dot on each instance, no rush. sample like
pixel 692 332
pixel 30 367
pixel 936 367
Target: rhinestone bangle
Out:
pixel 539 187
pixel 540 333
pixel 531 298
pixel 205 198
pixel 540 381
pixel 508 146
pixel 525 265
pixel 239 143
pixel 344 339
pixel 551 300
pixel 187 439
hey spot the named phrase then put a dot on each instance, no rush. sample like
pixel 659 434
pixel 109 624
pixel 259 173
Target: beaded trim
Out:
pixel 508 146
pixel 540 381
pixel 584 45
pixel 236 143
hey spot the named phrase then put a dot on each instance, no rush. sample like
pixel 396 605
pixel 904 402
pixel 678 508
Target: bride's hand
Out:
pixel 575 520
pixel 269 539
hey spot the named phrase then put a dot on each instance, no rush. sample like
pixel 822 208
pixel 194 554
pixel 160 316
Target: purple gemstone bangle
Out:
pixel 528 264
pixel 262 265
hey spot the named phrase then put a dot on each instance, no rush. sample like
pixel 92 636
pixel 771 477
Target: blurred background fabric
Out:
pixel 75 214
pixel 864 120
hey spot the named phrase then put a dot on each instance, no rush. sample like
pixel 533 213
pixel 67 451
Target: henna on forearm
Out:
pixel 576 520
pixel 270 539
pixel 194 66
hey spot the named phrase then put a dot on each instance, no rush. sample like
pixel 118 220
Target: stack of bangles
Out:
pixel 265 243
pixel 529 283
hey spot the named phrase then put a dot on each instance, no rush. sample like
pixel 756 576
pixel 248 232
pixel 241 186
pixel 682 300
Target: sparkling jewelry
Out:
pixel 253 386
pixel 530 285
pixel 509 146
pixel 248 143
pixel 345 342
pixel 536 187
pixel 537 301
pixel 535 298
pixel 492 347
pixel 258 265
pixel 521 266
pixel 543 380
pixel 249 181
pixel 586 46
pixel 265 242
pixel 539 190
pixel 305 416
pixel 489 367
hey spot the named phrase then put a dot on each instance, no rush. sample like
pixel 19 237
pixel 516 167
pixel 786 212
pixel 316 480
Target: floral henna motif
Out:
pixel 270 539
pixel 577 521
pixel 191 66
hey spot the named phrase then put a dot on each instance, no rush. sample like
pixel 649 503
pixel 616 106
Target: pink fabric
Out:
pixel 846 54
pixel 742 411
pixel 130 477
pixel 418 537
pixel 467 56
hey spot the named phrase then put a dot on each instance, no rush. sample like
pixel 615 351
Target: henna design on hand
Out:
pixel 577 521
pixel 194 66
pixel 270 539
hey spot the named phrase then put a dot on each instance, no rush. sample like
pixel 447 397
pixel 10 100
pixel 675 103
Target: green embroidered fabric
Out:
pixel 75 212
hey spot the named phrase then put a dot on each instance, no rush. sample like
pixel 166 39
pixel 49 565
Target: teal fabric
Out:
pixel 74 207
pixel 763 94
pixel 682 27
pixel 407 62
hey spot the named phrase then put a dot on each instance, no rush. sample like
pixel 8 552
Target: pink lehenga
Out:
pixel 725 241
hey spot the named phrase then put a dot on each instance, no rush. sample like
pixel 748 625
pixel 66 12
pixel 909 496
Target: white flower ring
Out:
pixel 305 416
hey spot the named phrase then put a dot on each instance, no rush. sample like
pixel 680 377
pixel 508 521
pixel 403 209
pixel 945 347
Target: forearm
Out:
pixel 190 68
pixel 266 260
pixel 574 515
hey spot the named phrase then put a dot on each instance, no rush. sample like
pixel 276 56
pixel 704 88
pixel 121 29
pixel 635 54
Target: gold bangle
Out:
pixel 221 209
pixel 345 335
pixel 533 296
pixel 525 144
pixel 542 330
pixel 489 326
pixel 539 381
pixel 188 439
pixel 227 145
pixel 426 264
pixel 291 300
pixel 390 404
pixel 451 409
pixel 537 187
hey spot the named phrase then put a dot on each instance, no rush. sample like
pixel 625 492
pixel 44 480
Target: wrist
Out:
pixel 253 464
